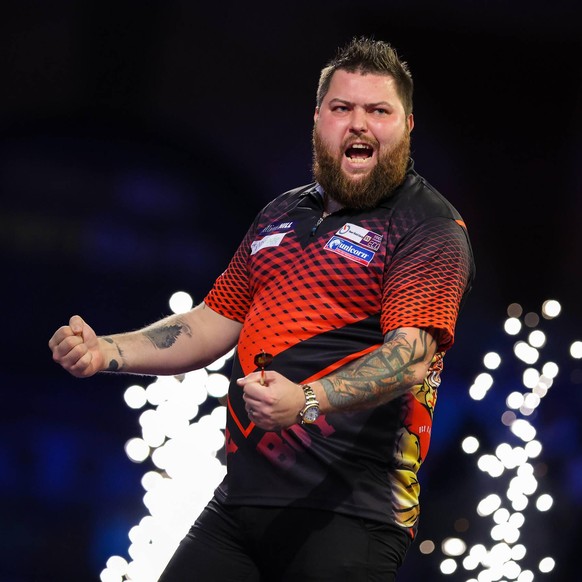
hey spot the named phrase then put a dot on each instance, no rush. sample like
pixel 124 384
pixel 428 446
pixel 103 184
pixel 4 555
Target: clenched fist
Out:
pixel 77 349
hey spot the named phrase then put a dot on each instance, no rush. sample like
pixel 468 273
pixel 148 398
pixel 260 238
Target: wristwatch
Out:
pixel 310 412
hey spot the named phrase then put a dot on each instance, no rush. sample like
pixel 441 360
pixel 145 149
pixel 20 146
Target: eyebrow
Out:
pixel 368 105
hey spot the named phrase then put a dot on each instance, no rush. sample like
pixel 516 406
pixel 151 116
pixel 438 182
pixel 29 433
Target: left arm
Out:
pixel 383 375
pixel 376 378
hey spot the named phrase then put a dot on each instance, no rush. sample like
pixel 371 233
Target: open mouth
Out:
pixel 359 152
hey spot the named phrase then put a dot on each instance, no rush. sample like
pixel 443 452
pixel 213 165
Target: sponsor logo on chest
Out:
pixel 363 236
pixel 349 250
pixel 355 243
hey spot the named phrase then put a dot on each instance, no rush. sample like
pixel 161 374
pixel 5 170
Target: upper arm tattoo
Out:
pixel 382 375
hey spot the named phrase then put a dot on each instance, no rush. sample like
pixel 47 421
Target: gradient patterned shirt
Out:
pixel 318 293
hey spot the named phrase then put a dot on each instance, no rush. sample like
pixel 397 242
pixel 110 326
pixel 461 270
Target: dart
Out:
pixel 261 360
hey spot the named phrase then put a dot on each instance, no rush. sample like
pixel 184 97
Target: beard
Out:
pixel 369 190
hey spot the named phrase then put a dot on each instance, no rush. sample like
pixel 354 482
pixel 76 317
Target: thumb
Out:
pixel 77 324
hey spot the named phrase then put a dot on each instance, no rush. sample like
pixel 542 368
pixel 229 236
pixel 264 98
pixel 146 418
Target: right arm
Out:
pixel 173 345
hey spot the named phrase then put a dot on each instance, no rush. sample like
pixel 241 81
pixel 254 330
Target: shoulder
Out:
pixel 296 193
pixel 289 199
pixel 419 200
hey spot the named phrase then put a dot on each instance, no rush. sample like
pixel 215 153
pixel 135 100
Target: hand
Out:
pixel 76 348
pixel 274 405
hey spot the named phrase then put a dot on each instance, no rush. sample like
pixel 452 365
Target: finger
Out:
pixel 261 378
pixel 61 345
pixel 250 383
pixel 59 335
pixel 56 338
pixel 70 351
pixel 251 401
pixel 252 377
pixel 254 392
pixel 82 366
pixel 250 407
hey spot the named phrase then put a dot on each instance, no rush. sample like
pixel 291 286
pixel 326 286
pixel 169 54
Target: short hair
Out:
pixel 364 55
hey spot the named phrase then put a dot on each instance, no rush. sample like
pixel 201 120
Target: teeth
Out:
pixel 362 147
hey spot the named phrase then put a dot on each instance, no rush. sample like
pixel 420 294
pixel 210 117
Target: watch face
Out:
pixel 311 414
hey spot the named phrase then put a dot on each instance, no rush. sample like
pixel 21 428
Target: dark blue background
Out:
pixel 137 142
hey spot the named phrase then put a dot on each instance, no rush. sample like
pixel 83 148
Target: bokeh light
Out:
pixel 516 487
pixel 181 445
pixel 181 302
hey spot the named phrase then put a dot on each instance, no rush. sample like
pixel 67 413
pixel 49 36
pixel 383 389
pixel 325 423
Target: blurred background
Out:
pixel 137 142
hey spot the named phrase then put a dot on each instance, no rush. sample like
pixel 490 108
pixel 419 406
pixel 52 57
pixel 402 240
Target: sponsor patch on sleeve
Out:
pixel 276 227
pixel 367 238
pixel 271 240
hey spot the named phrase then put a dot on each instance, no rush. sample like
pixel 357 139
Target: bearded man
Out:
pixel 342 300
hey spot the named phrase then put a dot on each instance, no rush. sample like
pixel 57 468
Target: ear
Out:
pixel 410 122
pixel 316 115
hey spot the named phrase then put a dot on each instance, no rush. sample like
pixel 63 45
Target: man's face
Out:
pixel 361 138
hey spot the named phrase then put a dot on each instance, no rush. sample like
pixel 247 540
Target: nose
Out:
pixel 358 123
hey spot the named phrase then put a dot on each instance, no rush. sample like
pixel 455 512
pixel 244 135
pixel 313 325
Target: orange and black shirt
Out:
pixel 318 293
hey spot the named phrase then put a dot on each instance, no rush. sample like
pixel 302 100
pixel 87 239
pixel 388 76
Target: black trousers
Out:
pixel 263 544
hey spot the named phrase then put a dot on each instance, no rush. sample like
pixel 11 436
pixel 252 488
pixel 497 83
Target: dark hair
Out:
pixel 364 55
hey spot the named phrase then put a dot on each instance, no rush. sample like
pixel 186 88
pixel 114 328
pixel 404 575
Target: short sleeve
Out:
pixel 230 295
pixel 426 279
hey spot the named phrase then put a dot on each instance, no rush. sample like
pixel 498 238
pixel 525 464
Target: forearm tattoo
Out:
pixel 162 336
pixel 114 365
pixel 382 375
pixel 165 335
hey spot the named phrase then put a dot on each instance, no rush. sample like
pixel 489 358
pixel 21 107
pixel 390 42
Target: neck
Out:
pixel 330 205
